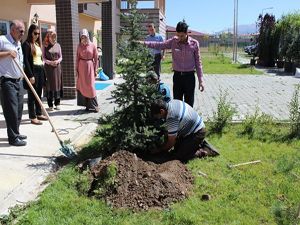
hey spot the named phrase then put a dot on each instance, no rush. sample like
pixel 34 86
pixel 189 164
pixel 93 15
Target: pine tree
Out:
pixel 131 127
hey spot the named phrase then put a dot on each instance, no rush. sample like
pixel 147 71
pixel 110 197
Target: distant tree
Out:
pixel 290 36
pixel 266 42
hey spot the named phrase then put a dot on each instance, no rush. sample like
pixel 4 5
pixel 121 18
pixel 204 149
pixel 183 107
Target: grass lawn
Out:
pixel 265 193
pixel 214 64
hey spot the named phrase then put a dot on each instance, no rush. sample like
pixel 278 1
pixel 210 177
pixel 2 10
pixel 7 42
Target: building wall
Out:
pixel 153 16
pixel 90 24
pixel 26 12
pixel 15 9
pixel 46 13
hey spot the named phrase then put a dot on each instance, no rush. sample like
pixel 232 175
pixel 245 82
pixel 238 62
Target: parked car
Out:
pixel 251 49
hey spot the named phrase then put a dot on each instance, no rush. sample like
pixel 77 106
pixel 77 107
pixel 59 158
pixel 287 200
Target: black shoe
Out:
pixel 22 137
pixel 18 142
pixel 211 151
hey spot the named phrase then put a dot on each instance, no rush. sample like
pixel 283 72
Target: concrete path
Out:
pixel 23 169
pixel 271 94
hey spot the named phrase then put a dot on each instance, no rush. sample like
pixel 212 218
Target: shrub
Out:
pixel 224 114
pixel 289 37
pixel 106 182
pixel 83 182
pixel 294 111
pixel 214 48
pixel 258 126
pixel 285 213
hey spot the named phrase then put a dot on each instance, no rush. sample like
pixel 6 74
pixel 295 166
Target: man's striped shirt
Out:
pixel 182 119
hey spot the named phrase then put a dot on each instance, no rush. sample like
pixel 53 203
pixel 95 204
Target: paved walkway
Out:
pixel 271 94
pixel 23 169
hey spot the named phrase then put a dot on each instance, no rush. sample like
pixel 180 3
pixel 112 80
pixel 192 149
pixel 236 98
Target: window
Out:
pixel 45 26
pixel 99 38
pixel 140 4
pixel 4 27
pixel 145 5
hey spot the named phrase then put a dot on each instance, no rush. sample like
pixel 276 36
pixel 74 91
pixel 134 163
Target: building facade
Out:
pixel 68 17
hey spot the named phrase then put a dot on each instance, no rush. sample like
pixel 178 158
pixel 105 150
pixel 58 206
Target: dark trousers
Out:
pixel 50 101
pixel 185 148
pixel 184 86
pixel 11 95
pixel 156 64
pixel 34 108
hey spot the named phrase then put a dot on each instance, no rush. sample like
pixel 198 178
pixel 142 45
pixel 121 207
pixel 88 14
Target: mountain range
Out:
pixel 242 29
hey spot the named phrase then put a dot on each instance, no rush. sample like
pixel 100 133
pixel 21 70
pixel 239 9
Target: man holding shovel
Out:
pixel 11 93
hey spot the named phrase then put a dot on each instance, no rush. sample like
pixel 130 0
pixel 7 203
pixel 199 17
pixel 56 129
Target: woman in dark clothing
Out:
pixel 52 57
pixel 34 70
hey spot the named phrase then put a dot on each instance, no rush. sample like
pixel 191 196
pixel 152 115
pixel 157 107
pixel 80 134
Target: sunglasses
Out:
pixel 21 31
pixel 36 33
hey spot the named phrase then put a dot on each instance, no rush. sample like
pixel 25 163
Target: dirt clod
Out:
pixel 142 185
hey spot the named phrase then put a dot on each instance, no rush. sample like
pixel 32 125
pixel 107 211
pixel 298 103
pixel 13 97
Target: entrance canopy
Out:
pixel 50 2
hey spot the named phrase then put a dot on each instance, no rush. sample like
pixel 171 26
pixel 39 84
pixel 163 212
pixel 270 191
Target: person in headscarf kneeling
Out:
pixel 86 65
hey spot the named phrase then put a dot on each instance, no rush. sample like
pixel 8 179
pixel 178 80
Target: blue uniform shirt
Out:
pixel 165 91
pixel 156 38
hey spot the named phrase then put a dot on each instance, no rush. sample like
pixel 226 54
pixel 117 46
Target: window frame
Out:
pixel 7 26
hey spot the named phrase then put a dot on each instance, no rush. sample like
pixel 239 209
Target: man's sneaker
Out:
pixel 211 151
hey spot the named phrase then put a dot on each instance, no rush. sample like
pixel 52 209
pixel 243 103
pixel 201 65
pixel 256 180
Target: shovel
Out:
pixel 67 150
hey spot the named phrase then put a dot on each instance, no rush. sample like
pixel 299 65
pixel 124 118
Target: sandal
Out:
pixel 36 122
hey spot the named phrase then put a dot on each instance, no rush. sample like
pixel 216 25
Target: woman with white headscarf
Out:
pixel 86 64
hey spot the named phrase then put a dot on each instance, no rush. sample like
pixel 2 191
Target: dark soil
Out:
pixel 141 185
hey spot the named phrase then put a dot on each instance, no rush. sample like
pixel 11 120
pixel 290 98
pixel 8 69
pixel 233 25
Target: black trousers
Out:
pixel 11 95
pixel 184 86
pixel 34 108
pixel 156 64
pixel 185 148
pixel 50 101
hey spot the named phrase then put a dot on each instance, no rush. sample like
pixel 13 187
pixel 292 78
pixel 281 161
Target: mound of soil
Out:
pixel 142 185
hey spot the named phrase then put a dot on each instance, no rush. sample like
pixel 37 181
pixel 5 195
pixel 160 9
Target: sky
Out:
pixel 210 16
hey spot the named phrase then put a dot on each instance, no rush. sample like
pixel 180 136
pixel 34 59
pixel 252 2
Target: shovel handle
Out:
pixel 245 163
pixel 37 98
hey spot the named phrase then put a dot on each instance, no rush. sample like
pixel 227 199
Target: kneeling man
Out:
pixel 186 130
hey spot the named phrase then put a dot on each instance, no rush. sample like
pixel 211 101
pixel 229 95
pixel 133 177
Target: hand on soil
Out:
pixel 154 151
